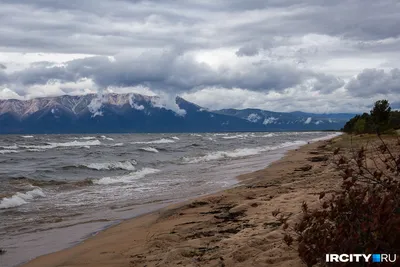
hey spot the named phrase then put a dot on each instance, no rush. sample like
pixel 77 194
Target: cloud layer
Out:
pixel 281 55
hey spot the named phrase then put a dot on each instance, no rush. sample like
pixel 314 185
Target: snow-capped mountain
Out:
pixel 139 113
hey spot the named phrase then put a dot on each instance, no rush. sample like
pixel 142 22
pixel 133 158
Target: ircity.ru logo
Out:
pixel 360 257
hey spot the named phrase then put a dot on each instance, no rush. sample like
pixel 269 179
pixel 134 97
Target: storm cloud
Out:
pixel 375 81
pixel 287 51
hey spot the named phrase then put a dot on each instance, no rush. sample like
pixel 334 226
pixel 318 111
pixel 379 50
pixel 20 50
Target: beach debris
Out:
pixel 261 185
pixel 196 204
pixel 304 168
pixel 230 215
pixel 318 158
pixel 239 209
pixel 273 225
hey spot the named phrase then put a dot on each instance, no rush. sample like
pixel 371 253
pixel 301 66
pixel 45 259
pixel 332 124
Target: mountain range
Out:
pixel 124 113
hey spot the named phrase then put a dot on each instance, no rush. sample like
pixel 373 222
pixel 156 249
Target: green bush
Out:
pixel 381 119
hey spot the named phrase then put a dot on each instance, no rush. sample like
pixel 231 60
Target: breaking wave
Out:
pixel 35 150
pixel 87 138
pixel 10 147
pixel 240 152
pixel 27 136
pixel 235 136
pixel 7 151
pixel 326 137
pixel 160 141
pixel 107 138
pixel 124 165
pixel 268 135
pixel 21 198
pixel 175 138
pixel 125 179
pixel 117 144
pixel 149 149
pixel 85 144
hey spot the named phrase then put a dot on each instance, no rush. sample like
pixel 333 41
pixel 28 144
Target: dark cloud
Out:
pixel 375 81
pixel 173 72
pixel 274 45
pixel 248 50
pixel 328 83
pixel 106 27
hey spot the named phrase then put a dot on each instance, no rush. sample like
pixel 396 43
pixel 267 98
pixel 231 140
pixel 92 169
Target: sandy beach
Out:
pixel 234 227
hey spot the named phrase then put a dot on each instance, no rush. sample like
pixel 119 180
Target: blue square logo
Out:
pixel 376 257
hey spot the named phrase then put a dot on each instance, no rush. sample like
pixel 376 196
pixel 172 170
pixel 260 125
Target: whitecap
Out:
pixel 35 150
pixel 235 136
pixel 240 152
pixel 149 149
pixel 21 198
pixel 27 136
pixel 107 138
pixel 124 165
pixel 67 144
pixel 117 144
pixel 7 151
pixel 268 135
pixel 160 141
pixel 14 147
pixel 175 138
pixel 86 138
pixel 126 178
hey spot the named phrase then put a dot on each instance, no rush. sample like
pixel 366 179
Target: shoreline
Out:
pixel 108 237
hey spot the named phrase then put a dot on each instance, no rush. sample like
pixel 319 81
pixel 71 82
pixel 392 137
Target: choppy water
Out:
pixel 57 189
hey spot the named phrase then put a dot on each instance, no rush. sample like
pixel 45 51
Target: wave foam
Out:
pixel 107 138
pixel 34 150
pixel 21 198
pixel 327 137
pixel 175 138
pixel 125 179
pixel 160 141
pixel 7 151
pixel 124 165
pixel 27 136
pixel 235 136
pixel 268 135
pixel 149 149
pixel 241 152
pixel 87 138
pixel 10 147
pixel 67 144
pixel 117 144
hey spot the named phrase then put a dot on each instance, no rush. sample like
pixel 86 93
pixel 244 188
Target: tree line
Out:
pixel 381 119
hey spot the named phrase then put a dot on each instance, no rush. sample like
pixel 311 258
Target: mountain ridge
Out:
pixel 94 113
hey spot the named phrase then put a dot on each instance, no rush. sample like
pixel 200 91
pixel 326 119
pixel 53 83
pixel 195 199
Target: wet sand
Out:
pixel 234 227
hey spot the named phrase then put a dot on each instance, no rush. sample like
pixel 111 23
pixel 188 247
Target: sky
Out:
pixel 280 55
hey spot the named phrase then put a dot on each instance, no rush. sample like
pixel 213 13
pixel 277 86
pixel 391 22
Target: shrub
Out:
pixel 363 216
pixel 381 119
